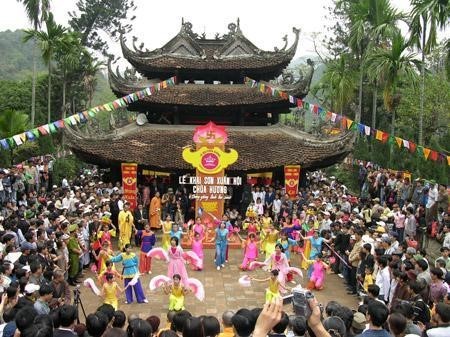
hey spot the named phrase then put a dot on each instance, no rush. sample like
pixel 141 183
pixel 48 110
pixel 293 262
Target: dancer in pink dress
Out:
pixel 197 248
pixel 250 250
pixel 199 228
pixel 279 261
pixel 176 260
pixel 319 269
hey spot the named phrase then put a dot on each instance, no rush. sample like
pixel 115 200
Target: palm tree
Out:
pixel 12 123
pixel 37 11
pixel 91 68
pixel 49 41
pixel 69 55
pixel 338 83
pixel 371 22
pixel 389 65
pixel 427 17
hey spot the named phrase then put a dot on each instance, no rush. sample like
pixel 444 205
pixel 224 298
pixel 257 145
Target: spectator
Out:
pixel 67 317
pixel 377 314
pixel 227 324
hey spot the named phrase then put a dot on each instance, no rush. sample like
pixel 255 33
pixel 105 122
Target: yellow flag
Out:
pixel 426 152
pixel 349 123
pixel 379 135
pixel 399 141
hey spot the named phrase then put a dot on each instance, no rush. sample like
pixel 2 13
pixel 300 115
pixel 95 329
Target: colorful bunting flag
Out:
pixel 426 152
pixel 399 141
pixel 379 135
pixel 4 143
pixel 434 155
pixel 367 130
pixel 17 140
pixel 412 147
pixel 349 123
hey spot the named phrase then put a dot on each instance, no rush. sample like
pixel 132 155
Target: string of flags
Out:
pixel 82 117
pixel 347 123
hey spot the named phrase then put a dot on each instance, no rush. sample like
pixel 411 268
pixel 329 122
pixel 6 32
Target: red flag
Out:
pixel 434 155
pixel 412 147
pixel 300 103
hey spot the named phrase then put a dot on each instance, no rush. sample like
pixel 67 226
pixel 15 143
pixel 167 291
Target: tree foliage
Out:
pixel 95 18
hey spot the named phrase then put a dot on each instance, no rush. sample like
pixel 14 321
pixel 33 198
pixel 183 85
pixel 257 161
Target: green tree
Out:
pixel 371 23
pixel 69 56
pixel 390 65
pixel 427 16
pixel 95 18
pixel 92 67
pixel 337 83
pixel 49 41
pixel 11 123
pixel 37 11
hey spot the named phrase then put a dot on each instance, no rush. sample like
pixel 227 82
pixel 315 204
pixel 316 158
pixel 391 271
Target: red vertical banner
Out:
pixel 291 180
pixel 129 183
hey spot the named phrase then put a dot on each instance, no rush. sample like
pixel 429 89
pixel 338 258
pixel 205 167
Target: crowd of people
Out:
pixel 375 239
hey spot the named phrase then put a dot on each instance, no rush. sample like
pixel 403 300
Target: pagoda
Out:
pixel 210 86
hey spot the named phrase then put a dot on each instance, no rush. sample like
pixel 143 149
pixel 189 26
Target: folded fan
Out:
pixel 245 281
pixel 256 264
pixel 197 288
pixel 89 283
pixel 158 281
pixel 158 253
pixel 133 281
pixel 193 259
pixel 296 271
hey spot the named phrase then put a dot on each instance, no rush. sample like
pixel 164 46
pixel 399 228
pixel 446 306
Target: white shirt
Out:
pixel 383 280
pixel 276 207
pixel 65 183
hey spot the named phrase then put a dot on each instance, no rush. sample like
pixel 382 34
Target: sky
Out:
pixel 264 22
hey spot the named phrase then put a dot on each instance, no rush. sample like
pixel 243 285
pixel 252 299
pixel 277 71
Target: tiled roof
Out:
pixel 160 146
pixel 206 95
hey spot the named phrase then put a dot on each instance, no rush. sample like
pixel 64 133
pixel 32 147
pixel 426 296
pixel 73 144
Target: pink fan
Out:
pixel 197 288
pixel 296 271
pixel 245 281
pixel 332 260
pixel 236 229
pixel 89 283
pixel 193 259
pixel 158 253
pixel 256 264
pixel 158 281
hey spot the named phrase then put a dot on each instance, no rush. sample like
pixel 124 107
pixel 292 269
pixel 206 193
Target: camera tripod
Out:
pixel 78 303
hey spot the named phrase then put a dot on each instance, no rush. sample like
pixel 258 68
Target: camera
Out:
pixel 300 303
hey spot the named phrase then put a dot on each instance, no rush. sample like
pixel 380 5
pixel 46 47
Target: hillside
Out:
pixel 16 57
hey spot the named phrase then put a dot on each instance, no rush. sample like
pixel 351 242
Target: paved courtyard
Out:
pixel 221 287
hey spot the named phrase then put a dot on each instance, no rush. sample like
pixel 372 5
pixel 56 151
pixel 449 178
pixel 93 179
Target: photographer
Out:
pixel 272 313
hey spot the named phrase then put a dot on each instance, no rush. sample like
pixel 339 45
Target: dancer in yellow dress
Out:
pixel 167 228
pixel 270 240
pixel 273 291
pixel 110 291
pixel 176 292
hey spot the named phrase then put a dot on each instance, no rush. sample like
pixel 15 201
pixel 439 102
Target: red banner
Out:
pixel 291 180
pixel 129 183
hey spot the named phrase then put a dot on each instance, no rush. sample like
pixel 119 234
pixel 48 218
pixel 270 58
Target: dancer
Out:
pixel 104 233
pixel 251 225
pixel 148 240
pixel 269 240
pixel 221 239
pixel 316 247
pixel 110 291
pixel 130 269
pixel 319 268
pixel 278 260
pixel 250 250
pixel 176 292
pixel 176 261
pixel 287 243
pixel 197 248
pixel 110 269
pixel 273 291
pixel 199 228
pixel 166 228
pixel 103 256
